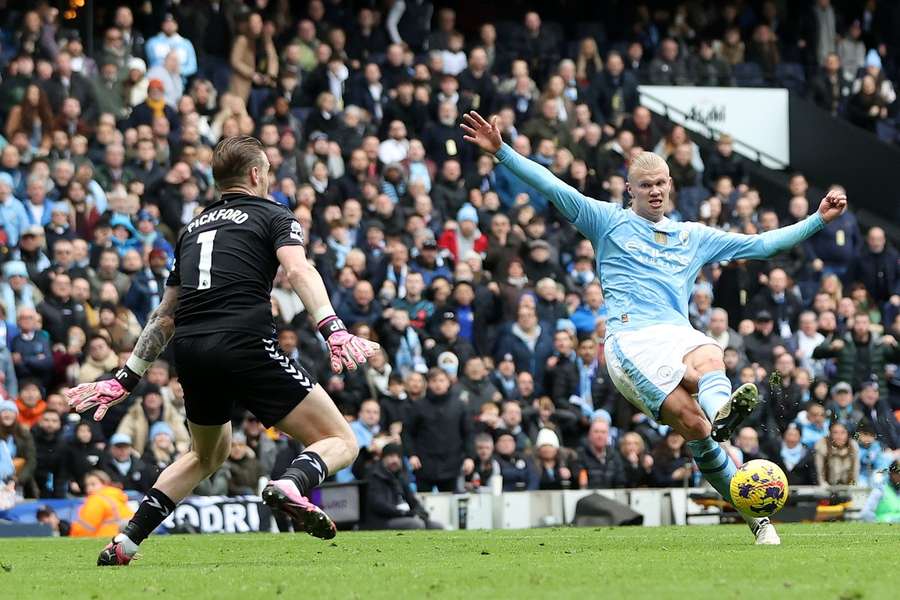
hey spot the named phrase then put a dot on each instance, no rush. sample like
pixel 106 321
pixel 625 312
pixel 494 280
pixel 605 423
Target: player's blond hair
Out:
pixel 644 162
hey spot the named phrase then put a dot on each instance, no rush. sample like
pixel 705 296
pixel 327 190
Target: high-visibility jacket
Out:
pixel 103 514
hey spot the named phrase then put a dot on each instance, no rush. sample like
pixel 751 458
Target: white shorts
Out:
pixel 646 364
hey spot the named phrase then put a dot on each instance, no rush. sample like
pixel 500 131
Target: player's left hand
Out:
pixel 102 394
pixel 833 205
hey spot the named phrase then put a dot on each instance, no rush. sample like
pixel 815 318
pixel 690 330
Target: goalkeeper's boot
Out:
pixel 764 531
pixel 119 552
pixel 283 495
pixel 742 402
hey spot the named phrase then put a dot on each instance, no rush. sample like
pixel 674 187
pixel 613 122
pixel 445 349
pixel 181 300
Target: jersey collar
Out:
pixel 664 224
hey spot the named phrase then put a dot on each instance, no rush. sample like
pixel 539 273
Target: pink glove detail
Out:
pixel 345 348
pixel 349 350
pixel 102 394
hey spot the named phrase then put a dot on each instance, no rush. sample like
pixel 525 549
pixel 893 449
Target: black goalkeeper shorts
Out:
pixel 220 370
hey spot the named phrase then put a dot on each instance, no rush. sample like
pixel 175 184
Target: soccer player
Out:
pixel 217 306
pixel 647 267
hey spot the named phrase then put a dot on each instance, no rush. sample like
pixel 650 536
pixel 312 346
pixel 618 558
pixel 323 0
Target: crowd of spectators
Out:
pixel 487 303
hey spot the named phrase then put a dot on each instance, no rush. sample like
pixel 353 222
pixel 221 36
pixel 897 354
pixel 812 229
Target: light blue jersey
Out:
pixel 648 269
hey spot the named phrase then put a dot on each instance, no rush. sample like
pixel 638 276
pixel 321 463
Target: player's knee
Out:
pixel 211 460
pixel 351 447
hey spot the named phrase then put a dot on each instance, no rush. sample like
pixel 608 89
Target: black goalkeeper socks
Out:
pixel 154 509
pixel 307 471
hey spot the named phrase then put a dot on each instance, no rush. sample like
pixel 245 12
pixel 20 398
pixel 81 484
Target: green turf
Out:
pixel 841 561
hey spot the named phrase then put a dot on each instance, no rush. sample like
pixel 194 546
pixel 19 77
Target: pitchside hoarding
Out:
pixel 757 118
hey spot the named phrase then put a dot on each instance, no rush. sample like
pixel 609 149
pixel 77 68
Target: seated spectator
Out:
pixel 873 455
pixel 671 463
pixel 747 443
pixel 390 501
pixel 152 409
pixel 841 408
pixel 100 360
pixel 837 457
pixel 19 446
pixel 668 68
pixel 124 465
pixel 258 440
pixel 30 403
pixel 105 510
pixel 243 468
pixel 517 470
pixel 761 344
pixel 481 470
pixel 31 353
pixel 725 163
pixel 795 459
pixel 879 415
pixel 160 451
pixel 599 465
pixel 83 454
pixel 814 425
pixel 638 464
pixel 552 463
pixel 867 107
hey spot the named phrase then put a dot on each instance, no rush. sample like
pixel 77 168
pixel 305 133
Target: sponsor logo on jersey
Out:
pixel 655 257
pixel 660 237
pixel 223 214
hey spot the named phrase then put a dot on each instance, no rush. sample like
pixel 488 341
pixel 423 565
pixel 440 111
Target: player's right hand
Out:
pixel 102 394
pixel 481 133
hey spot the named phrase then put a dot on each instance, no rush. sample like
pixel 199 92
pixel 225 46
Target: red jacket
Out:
pixel 448 241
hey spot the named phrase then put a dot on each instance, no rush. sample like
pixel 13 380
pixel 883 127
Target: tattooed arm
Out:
pixel 159 329
pixel 107 393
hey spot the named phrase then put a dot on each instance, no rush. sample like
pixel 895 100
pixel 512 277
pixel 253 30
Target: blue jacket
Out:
pixel 37 357
pixel 45 218
pixel 14 219
pixel 585 319
pixel 837 243
pixel 509 186
pixel 159 46
pixel 525 359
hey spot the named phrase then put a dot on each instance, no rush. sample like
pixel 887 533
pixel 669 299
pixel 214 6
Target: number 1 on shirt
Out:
pixel 206 241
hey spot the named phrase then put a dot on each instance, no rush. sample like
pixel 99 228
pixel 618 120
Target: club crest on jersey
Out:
pixel 683 237
pixel 660 237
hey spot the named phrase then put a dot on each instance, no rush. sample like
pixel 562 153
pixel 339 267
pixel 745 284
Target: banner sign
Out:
pixel 220 514
pixel 757 118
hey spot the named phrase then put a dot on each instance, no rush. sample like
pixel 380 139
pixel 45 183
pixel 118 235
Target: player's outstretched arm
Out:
pixel 728 246
pixel 486 135
pixel 153 339
pixel 346 350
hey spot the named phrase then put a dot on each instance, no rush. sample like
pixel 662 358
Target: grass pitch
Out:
pixel 846 561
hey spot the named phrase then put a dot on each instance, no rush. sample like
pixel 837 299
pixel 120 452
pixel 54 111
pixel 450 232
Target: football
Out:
pixel 759 488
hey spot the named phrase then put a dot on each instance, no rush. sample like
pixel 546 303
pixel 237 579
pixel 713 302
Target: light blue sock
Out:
pixel 714 392
pixel 715 464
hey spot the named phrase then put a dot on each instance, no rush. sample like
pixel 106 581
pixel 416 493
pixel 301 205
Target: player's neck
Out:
pixel 651 218
pixel 239 189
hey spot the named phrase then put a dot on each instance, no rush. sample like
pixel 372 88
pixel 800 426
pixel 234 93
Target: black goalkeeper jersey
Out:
pixel 225 262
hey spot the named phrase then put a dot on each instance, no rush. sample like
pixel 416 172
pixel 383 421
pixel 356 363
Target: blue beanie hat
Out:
pixel 161 427
pixel 8 405
pixel 467 213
